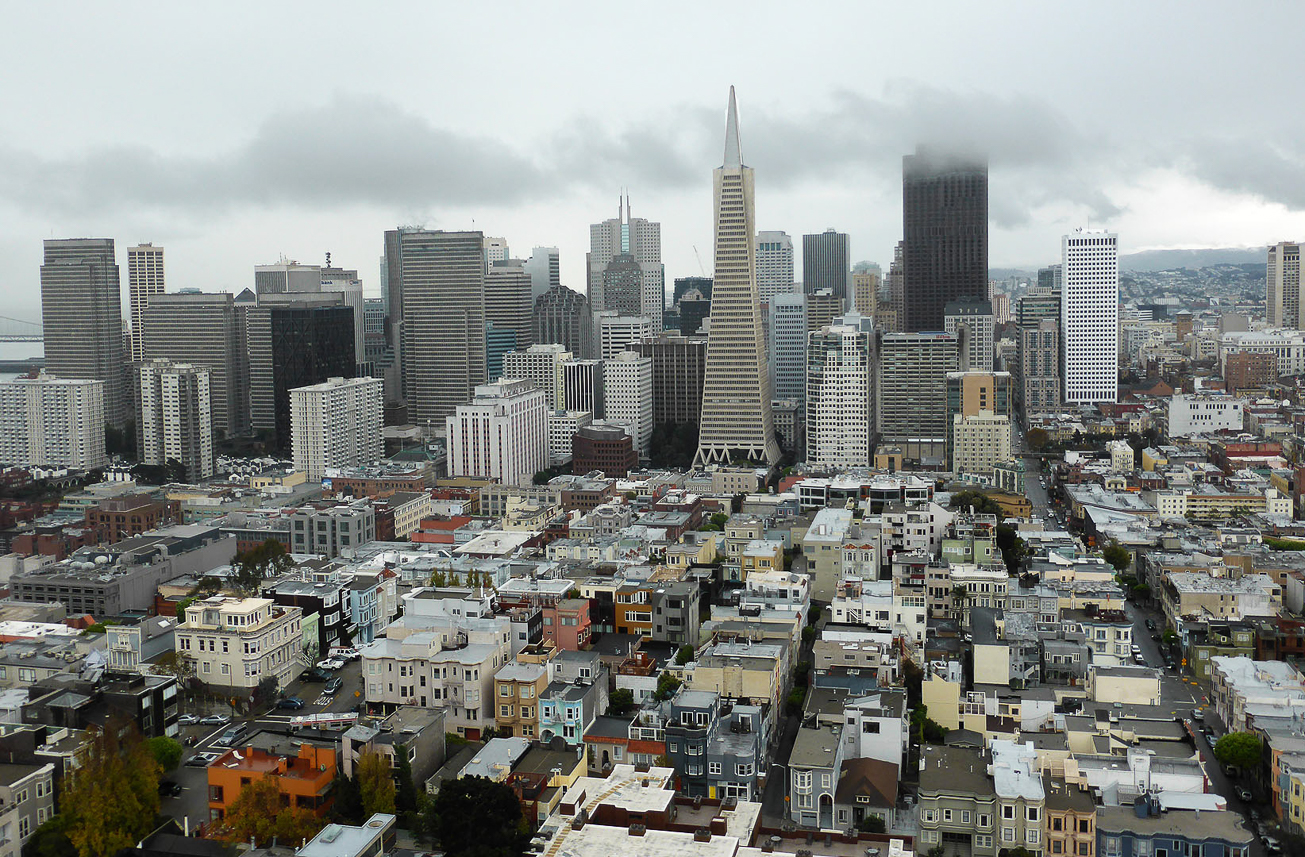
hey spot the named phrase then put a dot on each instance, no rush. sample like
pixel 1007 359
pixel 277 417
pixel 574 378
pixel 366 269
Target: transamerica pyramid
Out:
pixel 736 417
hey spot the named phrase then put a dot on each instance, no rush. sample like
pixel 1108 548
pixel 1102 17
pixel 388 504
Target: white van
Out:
pixel 344 653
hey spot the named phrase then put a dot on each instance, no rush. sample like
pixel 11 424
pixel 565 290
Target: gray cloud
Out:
pixel 359 150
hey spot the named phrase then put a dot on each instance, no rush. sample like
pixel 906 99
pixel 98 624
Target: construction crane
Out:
pixel 699 258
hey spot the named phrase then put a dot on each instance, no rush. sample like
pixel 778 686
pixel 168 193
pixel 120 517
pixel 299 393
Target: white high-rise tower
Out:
pixel 1089 316
pixel 736 416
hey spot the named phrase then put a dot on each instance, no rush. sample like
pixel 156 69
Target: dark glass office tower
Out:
pixel 944 235
pixel 826 263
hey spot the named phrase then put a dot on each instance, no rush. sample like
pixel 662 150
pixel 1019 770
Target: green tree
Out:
pixel 375 783
pixel 166 752
pixel 925 730
pixel 257 813
pixel 684 655
pixel 407 800
pixel 111 798
pixel 347 808
pixel 1037 439
pixel 1014 550
pixel 250 568
pixel 1117 555
pixel 667 684
pixel 621 701
pixel 477 817
pixel 51 839
pixel 981 503
pixel 872 824
pixel 1241 749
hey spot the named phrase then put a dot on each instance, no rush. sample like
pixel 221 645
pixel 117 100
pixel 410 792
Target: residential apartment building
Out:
pixel 328 528
pixel 174 416
pixel 238 642
pixel 540 364
pixel 337 423
pixel 52 422
pixel 502 434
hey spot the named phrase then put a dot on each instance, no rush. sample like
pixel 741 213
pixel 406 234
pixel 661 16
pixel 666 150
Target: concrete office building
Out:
pixel 865 292
pixel 541 365
pixel 501 434
pixel 977 318
pixel 562 316
pixel 337 423
pixel 437 302
pixel 1282 286
pixel 52 422
pixel 826 264
pixel 144 280
pixel 509 304
pixel 944 236
pixel 736 418
pixel 838 394
pixel 294 340
pixel 562 427
pixel 788 346
pixel 679 364
pixel 978 420
pixel 496 250
pixel 81 318
pixel 823 307
pixel 628 396
pixel 774 265
pixel 583 384
pixel 174 416
pixel 204 330
pixel 544 269
pixel 1089 317
pixel 617 333
pixel 632 248
pixel 911 391
pixel 286 276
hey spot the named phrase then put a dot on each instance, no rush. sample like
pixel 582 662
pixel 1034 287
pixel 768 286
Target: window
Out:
pixel 1008 812
pixel 1008 834
pixel 930 815
pixel 870 728
pixel 1083 849
pixel 965 816
pixel 947 815
pixel 1056 823
pixel 1085 826
pixel 1033 835
pixel 985 820
pixel 1057 847
pixel 713 768
pixel 1032 813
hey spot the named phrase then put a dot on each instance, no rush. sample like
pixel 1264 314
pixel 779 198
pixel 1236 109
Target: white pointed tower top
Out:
pixel 733 151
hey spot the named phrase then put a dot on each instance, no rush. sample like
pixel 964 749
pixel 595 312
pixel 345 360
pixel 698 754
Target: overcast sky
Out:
pixel 235 133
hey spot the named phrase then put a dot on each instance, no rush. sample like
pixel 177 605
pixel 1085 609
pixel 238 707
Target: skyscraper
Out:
pixel 52 422
pixel 788 346
pixel 736 417
pixel 174 416
pixel 978 420
pixel 911 391
pixel 944 235
pixel 838 393
pixel 562 316
pixel 545 270
pixel 628 396
pixel 204 330
pixel 1282 286
pixel 617 333
pixel 144 279
pixel 287 276
pixel 826 263
pixel 540 364
pixel 438 281
pixel 774 264
pixel 684 284
pixel 641 241
pixel 336 423
pixel 678 364
pixel 500 434
pixel 1089 316
pixel 346 282
pixel 865 292
pixel 508 304
pixel 976 316
pixel 81 313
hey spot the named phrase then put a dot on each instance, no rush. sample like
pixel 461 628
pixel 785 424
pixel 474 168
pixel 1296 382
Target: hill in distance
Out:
pixel 1163 260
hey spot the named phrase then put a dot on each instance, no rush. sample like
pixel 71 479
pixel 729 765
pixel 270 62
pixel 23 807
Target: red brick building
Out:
pixel 605 448
pixel 118 518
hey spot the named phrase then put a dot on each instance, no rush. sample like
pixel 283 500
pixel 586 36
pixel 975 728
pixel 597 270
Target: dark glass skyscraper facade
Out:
pixel 944 235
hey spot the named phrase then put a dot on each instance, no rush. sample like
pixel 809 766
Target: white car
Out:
pixel 344 654
pixel 330 664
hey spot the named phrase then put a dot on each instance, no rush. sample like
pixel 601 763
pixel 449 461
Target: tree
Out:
pixel 621 701
pixel 1037 439
pixel 375 783
pixel 684 655
pixel 250 568
pixel 347 808
pixel 924 730
pixel 1240 749
pixel 166 751
pixel 1014 550
pixel 407 800
pixel 477 817
pixel 111 798
pixel 257 813
pixel 51 839
pixel 1117 555
pixel 667 684
pixel 977 500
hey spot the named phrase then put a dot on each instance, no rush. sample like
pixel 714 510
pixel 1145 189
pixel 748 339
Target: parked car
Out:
pixel 1270 844
pixel 232 736
pixel 333 686
pixel 1150 624
pixel 1243 794
pixel 1229 771
pixel 187 720
pixel 167 788
pixel 330 664
pixel 291 703
pixel 314 674
pixel 344 653
pixel 216 720
pixel 203 760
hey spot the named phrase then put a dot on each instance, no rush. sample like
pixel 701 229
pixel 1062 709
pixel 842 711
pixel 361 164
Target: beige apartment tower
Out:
pixel 736 417
pixel 1282 285
pixel 144 280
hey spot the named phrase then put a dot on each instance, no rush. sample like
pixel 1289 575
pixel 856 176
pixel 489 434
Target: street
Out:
pixel 192 803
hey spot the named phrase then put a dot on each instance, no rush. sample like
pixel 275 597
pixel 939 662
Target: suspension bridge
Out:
pixel 19 330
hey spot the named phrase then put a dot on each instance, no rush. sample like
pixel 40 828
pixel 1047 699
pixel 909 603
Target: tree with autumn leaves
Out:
pixel 259 813
pixel 111 798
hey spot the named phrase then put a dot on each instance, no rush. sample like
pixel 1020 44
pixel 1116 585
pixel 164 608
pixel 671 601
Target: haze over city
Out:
pixel 295 129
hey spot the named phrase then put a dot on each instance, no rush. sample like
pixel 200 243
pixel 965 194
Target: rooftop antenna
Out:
pixel 328 258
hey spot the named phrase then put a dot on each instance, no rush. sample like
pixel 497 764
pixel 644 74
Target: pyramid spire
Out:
pixel 733 150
